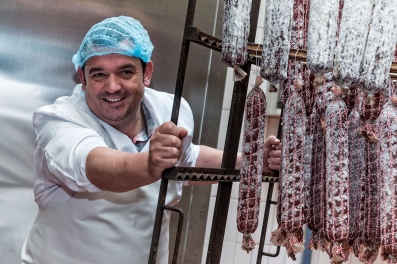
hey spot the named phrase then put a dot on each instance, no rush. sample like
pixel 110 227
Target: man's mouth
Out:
pixel 113 100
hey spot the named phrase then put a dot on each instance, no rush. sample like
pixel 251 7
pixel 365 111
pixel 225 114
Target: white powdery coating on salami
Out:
pixel 381 43
pixel 387 125
pixel 276 42
pixel 323 94
pixel 236 28
pixel 337 172
pixel 351 43
pixel 321 39
pixel 356 174
pixel 294 121
pixel 252 162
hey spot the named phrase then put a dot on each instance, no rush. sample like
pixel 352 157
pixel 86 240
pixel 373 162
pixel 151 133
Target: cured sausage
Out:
pixel 380 47
pixel 337 180
pixel 236 28
pixel 369 246
pixel 316 195
pixel 356 174
pixel 276 42
pixel 321 40
pixel 291 211
pixel 387 124
pixel 311 121
pixel 353 33
pixel 252 165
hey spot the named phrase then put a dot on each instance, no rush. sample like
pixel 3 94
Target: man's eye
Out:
pixel 99 74
pixel 126 72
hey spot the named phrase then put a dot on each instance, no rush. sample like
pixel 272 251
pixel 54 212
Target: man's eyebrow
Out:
pixel 92 70
pixel 127 66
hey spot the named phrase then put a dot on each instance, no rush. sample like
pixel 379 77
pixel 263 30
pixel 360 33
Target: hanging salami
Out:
pixel 379 51
pixel 353 34
pixel 289 232
pixel 276 42
pixel 251 167
pixel 356 173
pixel 321 40
pixel 316 185
pixel 369 246
pixel 236 28
pixel 387 124
pixel 337 180
pixel 295 68
pixel 307 169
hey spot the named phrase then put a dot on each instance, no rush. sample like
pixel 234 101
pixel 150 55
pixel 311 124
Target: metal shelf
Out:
pixel 210 174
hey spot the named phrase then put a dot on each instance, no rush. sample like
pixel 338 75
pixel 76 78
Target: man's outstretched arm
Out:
pixel 118 171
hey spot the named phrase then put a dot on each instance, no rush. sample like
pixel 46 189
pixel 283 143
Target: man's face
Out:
pixel 114 87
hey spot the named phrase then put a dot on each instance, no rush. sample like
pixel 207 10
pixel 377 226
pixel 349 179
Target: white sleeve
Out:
pixel 66 157
pixel 62 148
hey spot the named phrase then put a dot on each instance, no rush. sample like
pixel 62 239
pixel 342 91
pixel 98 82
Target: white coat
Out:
pixel 78 223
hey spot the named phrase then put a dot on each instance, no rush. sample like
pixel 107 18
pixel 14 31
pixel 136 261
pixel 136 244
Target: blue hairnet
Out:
pixel 123 35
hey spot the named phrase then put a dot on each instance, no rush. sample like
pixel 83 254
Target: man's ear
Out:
pixel 81 76
pixel 147 76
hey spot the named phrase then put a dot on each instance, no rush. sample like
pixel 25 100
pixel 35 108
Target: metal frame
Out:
pixel 227 174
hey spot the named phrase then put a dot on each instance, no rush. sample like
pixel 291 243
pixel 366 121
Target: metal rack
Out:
pixel 227 175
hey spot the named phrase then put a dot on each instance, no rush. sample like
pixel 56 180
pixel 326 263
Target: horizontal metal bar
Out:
pixel 254 49
pixel 273 202
pixel 272 255
pixel 211 174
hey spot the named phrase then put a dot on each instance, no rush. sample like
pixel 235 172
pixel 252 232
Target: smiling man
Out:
pixel 101 151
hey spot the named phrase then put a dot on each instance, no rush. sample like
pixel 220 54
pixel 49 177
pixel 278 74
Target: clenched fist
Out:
pixel 272 154
pixel 165 148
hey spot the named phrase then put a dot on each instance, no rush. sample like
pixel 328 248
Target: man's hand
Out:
pixel 166 147
pixel 271 154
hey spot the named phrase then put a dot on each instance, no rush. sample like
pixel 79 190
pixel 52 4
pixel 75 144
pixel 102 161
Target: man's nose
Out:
pixel 113 84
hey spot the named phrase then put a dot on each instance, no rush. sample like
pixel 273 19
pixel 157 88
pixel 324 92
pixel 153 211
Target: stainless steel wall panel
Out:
pixel 37 41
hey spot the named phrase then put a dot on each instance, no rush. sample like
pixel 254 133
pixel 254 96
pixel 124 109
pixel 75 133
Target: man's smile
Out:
pixel 113 100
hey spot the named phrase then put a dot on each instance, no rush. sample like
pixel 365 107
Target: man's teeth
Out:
pixel 113 100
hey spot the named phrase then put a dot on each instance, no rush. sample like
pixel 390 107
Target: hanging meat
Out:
pixel 337 180
pixel 323 25
pixel 379 51
pixel 276 42
pixel 369 242
pixel 316 194
pixel 307 169
pixel 356 173
pixel 353 34
pixel 290 212
pixel 298 41
pixel 236 28
pixel 251 167
pixel 387 124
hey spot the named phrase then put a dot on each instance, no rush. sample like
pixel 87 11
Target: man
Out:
pixel 100 154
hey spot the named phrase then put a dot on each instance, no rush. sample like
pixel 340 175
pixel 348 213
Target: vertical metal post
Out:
pixel 230 152
pixel 174 118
